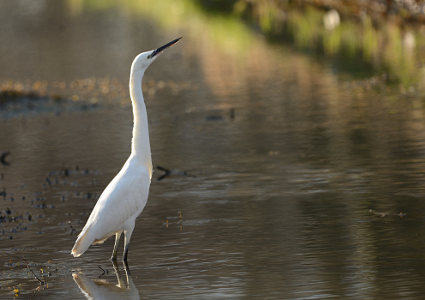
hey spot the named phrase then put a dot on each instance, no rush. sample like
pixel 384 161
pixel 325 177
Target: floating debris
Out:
pixel 16 292
pixel 232 114
pixel 73 230
pixel 214 118
pixel 175 220
pixel 383 214
pixel 3 160
pixel 3 193
pixel 169 172
pixel 104 272
pixel 42 282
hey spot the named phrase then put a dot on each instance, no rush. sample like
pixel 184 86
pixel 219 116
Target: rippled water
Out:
pixel 299 182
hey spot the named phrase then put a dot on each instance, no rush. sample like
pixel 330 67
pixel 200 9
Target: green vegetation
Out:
pixel 354 39
pixel 367 42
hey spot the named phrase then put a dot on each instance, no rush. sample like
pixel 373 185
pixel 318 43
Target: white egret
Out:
pixel 126 195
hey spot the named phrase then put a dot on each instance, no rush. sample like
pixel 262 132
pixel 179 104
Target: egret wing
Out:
pixel 124 198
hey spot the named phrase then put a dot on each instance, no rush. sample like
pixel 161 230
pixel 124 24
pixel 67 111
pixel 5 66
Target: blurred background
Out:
pixel 293 132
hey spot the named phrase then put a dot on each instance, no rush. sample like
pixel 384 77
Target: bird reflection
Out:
pixel 102 289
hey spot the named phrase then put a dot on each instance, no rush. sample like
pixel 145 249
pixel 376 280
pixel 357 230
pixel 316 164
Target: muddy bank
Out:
pixel 15 103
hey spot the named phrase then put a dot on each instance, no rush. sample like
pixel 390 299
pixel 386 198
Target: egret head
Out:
pixel 143 60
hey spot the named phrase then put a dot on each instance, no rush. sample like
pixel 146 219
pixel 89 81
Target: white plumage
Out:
pixel 126 195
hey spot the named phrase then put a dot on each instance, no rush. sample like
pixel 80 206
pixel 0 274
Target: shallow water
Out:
pixel 301 183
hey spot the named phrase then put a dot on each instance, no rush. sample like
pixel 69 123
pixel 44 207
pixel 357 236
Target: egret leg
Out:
pixel 114 252
pixel 117 274
pixel 127 237
pixel 127 274
pixel 126 268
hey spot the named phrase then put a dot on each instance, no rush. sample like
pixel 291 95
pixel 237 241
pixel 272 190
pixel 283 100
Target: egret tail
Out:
pixel 83 242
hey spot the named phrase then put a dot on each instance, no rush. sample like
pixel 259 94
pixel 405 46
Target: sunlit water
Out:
pixel 288 181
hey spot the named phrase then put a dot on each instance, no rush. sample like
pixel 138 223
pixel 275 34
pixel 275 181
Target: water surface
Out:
pixel 302 182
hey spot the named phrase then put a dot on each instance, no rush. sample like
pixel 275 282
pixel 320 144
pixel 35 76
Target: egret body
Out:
pixel 126 195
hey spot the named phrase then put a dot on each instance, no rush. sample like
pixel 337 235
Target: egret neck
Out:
pixel 140 146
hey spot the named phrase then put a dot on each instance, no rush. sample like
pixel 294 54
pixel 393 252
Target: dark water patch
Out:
pixel 14 104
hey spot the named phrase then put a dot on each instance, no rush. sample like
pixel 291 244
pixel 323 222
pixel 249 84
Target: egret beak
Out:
pixel 160 49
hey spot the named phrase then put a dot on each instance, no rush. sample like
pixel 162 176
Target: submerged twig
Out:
pixel 168 172
pixel 3 158
pixel 3 193
pixel 42 282
pixel 102 271
pixel 383 214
